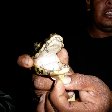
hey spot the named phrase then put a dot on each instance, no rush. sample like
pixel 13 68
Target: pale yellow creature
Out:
pixel 46 61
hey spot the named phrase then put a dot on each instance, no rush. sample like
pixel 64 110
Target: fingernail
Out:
pixel 66 80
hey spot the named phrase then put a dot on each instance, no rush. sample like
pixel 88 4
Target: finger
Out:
pixel 91 89
pixel 41 104
pixel 63 56
pixel 48 105
pixel 42 83
pixel 60 101
pixel 44 103
pixel 25 61
pixel 58 96
pixel 86 83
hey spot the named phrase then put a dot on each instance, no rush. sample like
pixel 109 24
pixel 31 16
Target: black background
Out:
pixel 22 24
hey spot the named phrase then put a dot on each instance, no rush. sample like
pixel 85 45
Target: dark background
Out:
pixel 22 24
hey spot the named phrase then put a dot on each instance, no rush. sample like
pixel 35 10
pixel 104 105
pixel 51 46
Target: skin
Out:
pixel 92 98
pixel 101 22
pixel 25 61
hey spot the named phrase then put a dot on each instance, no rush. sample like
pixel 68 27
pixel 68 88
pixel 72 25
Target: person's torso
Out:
pixel 92 56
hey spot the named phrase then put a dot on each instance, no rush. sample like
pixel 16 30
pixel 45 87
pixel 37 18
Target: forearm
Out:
pixel 44 104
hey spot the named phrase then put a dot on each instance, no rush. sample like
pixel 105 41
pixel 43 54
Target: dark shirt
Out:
pixel 91 56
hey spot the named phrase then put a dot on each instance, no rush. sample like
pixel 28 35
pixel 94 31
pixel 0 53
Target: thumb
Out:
pixel 63 56
pixel 59 96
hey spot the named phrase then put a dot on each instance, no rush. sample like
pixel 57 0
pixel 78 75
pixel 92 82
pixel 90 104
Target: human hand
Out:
pixel 42 84
pixel 94 95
